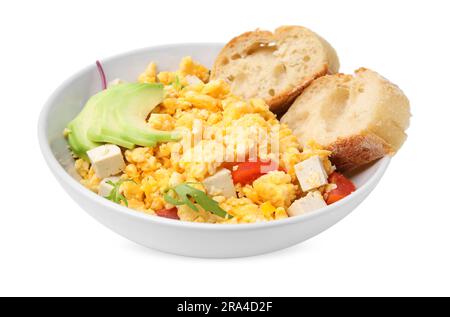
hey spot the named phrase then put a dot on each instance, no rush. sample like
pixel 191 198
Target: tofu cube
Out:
pixel 107 160
pixel 311 174
pixel 312 201
pixel 220 183
pixel 104 189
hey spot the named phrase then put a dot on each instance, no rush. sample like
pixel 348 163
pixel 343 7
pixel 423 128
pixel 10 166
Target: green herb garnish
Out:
pixel 183 195
pixel 114 194
pixel 177 83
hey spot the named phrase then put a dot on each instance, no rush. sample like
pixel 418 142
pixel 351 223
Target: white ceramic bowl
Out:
pixel 184 238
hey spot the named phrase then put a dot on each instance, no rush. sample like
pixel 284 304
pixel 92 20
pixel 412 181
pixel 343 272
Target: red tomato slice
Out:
pixel 171 213
pixel 246 172
pixel 344 187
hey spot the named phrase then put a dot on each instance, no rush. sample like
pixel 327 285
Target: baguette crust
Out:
pixel 360 117
pixel 292 47
pixel 281 102
pixel 357 150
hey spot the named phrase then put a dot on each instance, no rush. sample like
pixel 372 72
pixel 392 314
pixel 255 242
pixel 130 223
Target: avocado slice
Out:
pixel 132 118
pixel 118 115
pixel 123 115
pixel 100 130
pixel 78 127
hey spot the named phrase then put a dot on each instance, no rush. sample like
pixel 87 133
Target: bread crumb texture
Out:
pixel 274 66
pixel 359 117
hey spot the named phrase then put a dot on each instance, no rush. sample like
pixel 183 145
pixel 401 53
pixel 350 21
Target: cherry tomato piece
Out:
pixel 344 187
pixel 171 213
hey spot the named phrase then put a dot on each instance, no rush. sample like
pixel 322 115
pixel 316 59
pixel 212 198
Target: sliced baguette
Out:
pixel 359 117
pixel 275 66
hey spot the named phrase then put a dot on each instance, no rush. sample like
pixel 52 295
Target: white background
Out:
pixel 396 243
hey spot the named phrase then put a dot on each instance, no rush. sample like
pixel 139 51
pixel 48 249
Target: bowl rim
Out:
pixel 67 180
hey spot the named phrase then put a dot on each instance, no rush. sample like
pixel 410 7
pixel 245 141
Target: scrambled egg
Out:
pixel 153 170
